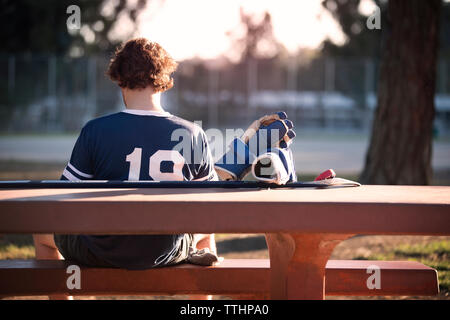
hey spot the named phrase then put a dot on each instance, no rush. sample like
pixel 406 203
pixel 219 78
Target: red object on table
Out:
pixel 329 174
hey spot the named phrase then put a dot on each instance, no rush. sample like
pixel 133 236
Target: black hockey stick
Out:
pixel 60 184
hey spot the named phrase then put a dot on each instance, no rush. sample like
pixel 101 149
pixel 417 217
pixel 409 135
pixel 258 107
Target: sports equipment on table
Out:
pixel 328 174
pixel 275 166
pixel 270 131
pixel 328 178
pixel 98 184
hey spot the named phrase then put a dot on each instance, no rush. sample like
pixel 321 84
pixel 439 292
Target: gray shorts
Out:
pixel 72 248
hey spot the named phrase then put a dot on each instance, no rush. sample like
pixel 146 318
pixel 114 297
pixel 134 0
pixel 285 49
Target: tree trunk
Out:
pixel 401 141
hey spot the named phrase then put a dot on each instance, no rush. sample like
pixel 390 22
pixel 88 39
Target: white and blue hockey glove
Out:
pixel 271 131
pixel 275 166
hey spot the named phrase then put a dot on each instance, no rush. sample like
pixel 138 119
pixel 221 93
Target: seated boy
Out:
pixel 138 144
pixel 135 144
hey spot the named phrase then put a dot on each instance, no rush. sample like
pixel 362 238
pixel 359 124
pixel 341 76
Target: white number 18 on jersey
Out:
pixel 155 161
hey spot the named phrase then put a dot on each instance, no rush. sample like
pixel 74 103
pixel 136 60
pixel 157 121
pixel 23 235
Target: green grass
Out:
pixel 12 251
pixel 434 254
pixel 14 246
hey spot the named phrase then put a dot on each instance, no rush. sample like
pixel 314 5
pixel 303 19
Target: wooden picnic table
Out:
pixel 302 226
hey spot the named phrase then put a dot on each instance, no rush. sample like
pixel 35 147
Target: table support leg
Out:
pixel 297 263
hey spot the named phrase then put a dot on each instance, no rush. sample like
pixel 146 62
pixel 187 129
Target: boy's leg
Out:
pixel 202 241
pixel 45 249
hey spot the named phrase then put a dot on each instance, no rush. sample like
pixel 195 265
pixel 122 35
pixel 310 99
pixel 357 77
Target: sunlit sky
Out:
pixel 198 28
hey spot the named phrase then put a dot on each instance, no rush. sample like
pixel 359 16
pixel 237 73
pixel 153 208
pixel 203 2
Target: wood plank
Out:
pixel 231 277
pixel 416 210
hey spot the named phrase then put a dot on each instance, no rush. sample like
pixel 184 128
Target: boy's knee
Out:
pixel 45 240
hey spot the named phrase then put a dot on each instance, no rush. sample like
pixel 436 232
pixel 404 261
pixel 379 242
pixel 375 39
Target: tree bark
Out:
pixel 401 141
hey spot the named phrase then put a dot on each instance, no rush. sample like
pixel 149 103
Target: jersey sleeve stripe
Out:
pixel 78 172
pixel 76 175
pixel 70 176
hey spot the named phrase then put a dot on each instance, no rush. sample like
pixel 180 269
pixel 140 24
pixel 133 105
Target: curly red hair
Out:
pixel 140 63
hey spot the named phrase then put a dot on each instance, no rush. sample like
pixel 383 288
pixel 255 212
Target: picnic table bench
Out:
pixel 301 226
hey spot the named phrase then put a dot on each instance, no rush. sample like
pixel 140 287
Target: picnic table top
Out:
pixel 352 210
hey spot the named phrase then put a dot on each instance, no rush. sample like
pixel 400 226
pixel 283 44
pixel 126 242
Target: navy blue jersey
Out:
pixel 139 145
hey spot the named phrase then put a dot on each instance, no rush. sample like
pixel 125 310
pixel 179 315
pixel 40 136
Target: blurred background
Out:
pixel 334 73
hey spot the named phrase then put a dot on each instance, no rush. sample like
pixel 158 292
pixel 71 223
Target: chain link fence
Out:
pixel 58 94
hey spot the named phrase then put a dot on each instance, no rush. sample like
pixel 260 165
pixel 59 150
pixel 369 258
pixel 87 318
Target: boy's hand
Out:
pixel 275 127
